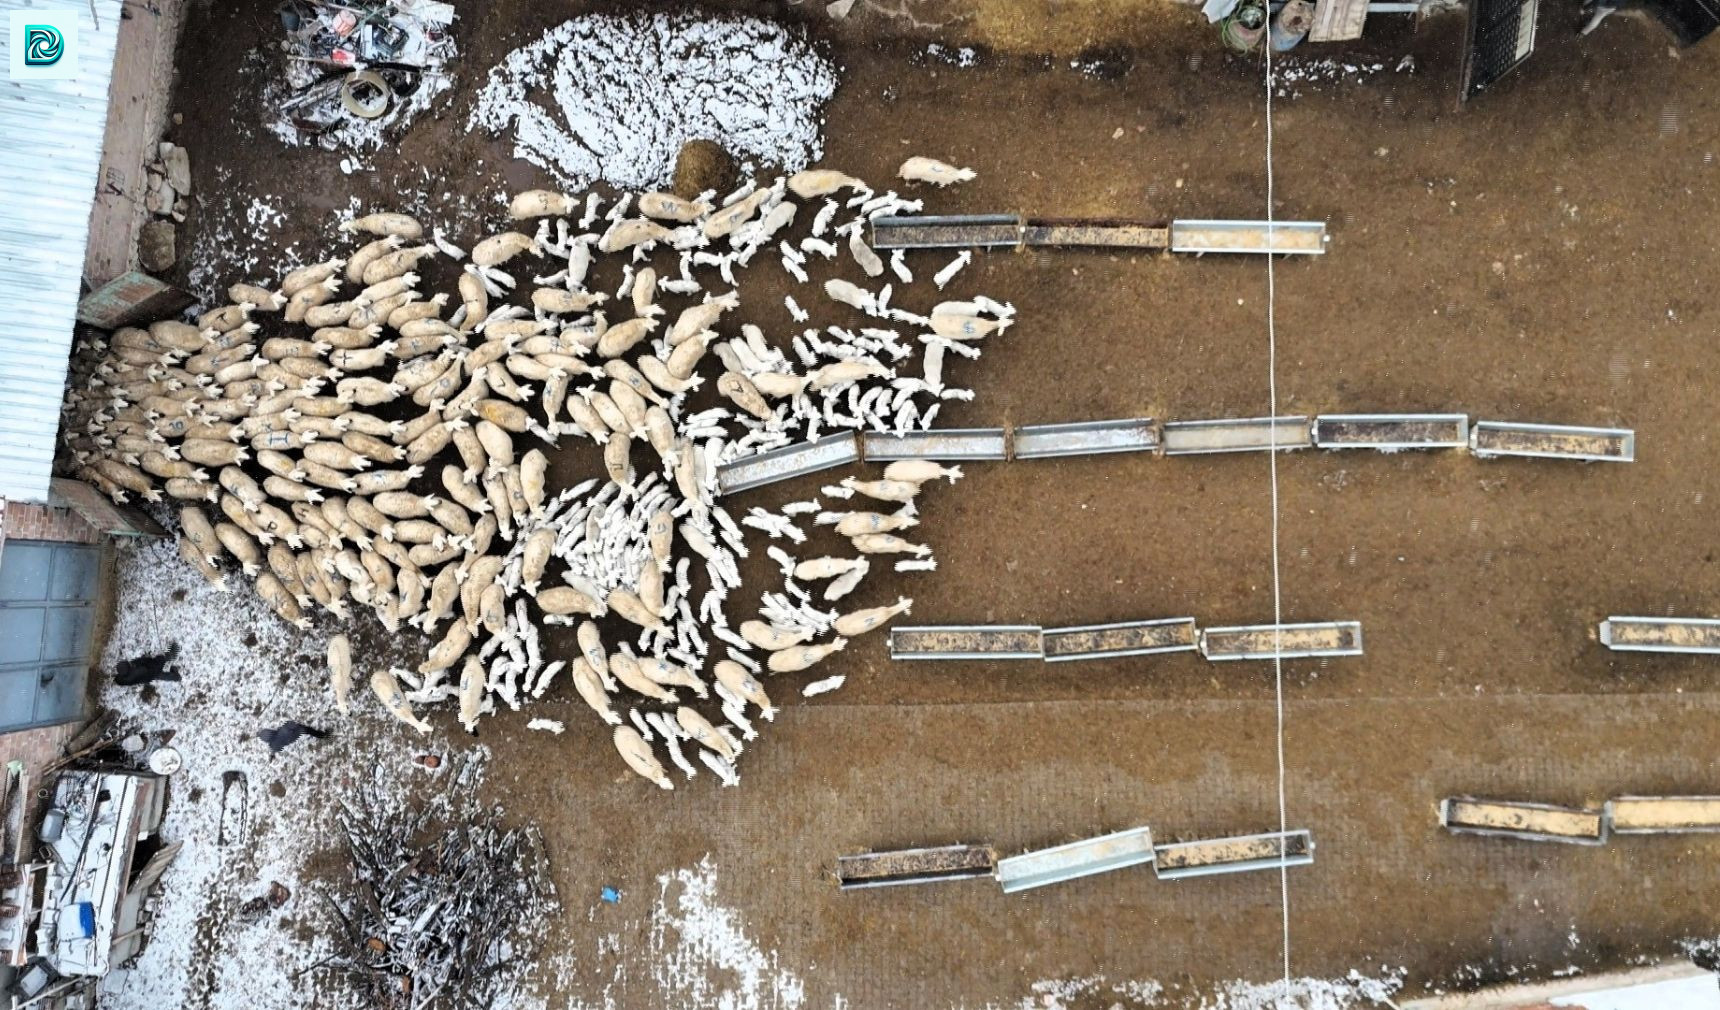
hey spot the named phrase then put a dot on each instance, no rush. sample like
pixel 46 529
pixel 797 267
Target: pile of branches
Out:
pixel 442 902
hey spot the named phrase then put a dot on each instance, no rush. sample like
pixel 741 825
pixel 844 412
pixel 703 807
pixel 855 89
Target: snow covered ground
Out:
pixel 624 93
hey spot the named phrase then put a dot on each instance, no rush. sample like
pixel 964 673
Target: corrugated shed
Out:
pixel 50 152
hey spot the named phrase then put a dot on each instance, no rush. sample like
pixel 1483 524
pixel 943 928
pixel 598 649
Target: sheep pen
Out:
pixel 344 438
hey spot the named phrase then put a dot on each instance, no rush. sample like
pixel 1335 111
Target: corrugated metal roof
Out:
pixel 49 156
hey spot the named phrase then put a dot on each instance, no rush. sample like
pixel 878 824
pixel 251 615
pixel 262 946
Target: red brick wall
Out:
pixel 41 522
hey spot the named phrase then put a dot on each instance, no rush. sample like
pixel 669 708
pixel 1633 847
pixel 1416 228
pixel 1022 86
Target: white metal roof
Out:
pixel 49 156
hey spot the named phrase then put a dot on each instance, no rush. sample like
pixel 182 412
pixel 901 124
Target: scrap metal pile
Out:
pixel 444 902
pixel 347 65
pixel 342 437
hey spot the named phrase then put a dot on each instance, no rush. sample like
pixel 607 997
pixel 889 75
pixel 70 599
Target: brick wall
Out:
pixel 42 522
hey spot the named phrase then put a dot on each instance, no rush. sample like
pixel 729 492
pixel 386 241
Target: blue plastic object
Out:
pixel 611 895
pixel 87 918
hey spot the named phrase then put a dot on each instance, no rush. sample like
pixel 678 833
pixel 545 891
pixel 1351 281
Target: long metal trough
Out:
pixel 1391 432
pixel 1289 641
pixel 1663 815
pixel 1012 231
pixel 1552 441
pixel 1661 634
pixel 1240 434
pixel 915 866
pixel 1238 854
pixel 1129 638
pixel 1539 822
pixel 1076 859
pixel 788 462
pixel 937 444
pixel 1300 238
pixel 1085 438
pixel 994 641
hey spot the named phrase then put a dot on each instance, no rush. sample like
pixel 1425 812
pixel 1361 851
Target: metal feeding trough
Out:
pixel 1295 238
pixel 1269 851
pixel 1076 859
pixel 1391 432
pixel 1130 638
pixel 1661 634
pixel 1287 641
pixel 1539 822
pixel 915 866
pixel 1243 434
pixel 1552 441
pixel 1663 815
pixel 1012 231
pixel 788 462
pixel 946 444
pixel 1085 438
pixel 996 641
pixel 948 231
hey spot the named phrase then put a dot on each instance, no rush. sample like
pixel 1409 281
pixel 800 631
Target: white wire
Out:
pixel 1272 465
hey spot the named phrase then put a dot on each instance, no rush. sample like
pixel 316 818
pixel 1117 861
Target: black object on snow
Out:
pixel 287 733
pixel 146 669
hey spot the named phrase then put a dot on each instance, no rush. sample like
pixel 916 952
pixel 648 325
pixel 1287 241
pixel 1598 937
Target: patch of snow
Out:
pixel 613 97
pixel 702 954
pixel 242 669
pixel 1353 990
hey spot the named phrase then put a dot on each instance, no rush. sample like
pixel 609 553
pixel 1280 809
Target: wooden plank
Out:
pixel 1338 20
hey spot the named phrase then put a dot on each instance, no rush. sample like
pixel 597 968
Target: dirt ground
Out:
pixel 1536 256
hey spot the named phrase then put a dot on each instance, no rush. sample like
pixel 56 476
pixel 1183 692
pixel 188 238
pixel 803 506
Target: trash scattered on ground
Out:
pixel 348 74
pixel 443 901
pixel 613 97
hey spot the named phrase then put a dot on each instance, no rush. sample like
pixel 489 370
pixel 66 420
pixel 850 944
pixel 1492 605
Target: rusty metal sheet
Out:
pixel 131 298
pixel 100 512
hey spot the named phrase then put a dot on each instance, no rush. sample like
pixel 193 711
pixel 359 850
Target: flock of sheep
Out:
pixel 340 438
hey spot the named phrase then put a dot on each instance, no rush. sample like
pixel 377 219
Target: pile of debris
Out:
pixel 444 904
pixel 166 189
pixel 397 474
pixel 353 70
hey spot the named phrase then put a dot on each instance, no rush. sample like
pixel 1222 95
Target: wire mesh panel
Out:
pixel 1501 35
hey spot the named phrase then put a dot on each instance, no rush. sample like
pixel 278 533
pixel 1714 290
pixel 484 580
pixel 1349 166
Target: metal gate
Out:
pixel 47 612
pixel 1501 35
